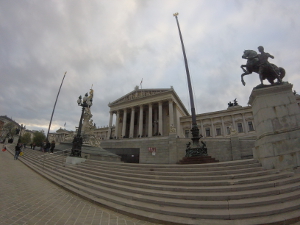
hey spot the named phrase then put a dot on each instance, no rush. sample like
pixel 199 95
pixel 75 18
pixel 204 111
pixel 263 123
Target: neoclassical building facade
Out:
pixel 146 113
pixel 157 119
pixel 153 112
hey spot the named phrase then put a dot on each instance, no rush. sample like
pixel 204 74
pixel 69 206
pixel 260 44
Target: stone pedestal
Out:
pixel 16 139
pixel 277 121
pixel 74 160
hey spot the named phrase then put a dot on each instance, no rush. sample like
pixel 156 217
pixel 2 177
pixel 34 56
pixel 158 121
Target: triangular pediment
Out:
pixel 139 94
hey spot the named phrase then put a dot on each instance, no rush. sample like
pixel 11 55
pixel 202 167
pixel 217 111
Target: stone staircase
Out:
pixel 197 160
pixel 236 192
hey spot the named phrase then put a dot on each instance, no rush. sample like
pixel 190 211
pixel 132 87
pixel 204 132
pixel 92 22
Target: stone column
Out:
pixel 131 123
pixel 202 128
pixel 110 124
pixel 150 121
pixel 171 113
pixel 141 121
pixel 233 123
pixel 160 124
pixel 155 119
pixel 277 120
pixel 124 123
pixel 223 127
pixel 245 124
pixel 117 124
pixel 212 128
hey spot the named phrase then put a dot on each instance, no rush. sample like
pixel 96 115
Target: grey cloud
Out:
pixel 113 45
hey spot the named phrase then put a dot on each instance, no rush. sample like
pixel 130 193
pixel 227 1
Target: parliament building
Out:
pixel 153 126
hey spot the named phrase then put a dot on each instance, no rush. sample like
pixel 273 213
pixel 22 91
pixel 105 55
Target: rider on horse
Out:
pixel 264 63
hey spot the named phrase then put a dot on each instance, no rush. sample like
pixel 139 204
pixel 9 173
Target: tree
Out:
pixel 26 138
pixel 10 129
pixel 39 137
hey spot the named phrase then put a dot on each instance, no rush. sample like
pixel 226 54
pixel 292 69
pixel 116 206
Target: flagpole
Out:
pixel 195 129
pixel 55 105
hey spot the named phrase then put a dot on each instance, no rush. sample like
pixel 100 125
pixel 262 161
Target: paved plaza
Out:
pixel 27 198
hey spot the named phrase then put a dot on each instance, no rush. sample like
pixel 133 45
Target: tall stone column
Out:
pixel 150 121
pixel 124 123
pixel 155 120
pixel 110 125
pixel 212 128
pixel 277 120
pixel 160 123
pixel 202 128
pixel 223 126
pixel 245 124
pixel 171 113
pixel 233 123
pixel 131 123
pixel 141 121
pixel 117 124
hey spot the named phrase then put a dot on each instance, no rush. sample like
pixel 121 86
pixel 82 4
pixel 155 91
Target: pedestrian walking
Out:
pixel 43 146
pixel 52 147
pixel 47 146
pixel 17 151
pixel 33 145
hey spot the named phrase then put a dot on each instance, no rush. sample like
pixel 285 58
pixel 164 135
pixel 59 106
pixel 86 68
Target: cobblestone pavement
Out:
pixel 27 198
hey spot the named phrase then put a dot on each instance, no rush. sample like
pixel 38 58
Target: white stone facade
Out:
pixel 152 112
pixel 146 118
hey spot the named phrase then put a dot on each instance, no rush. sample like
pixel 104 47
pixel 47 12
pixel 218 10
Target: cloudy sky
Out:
pixel 114 44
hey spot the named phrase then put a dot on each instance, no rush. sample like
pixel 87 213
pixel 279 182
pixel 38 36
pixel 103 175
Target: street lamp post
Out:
pixel 77 141
pixel 195 149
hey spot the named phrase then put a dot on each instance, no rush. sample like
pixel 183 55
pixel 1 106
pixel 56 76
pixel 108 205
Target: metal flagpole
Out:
pixel 195 129
pixel 55 105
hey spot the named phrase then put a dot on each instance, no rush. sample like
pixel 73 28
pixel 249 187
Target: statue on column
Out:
pixel 259 63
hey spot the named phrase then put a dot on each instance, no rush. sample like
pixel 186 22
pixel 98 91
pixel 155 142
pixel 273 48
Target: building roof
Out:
pixel 144 96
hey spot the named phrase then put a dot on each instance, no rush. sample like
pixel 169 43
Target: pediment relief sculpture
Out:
pixel 138 94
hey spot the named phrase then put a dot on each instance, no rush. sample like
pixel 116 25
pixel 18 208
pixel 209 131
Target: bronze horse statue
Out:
pixel 270 73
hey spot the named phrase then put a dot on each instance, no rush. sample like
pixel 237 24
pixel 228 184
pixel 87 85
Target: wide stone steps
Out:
pixel 198 181
pixel 190 211
pixel 184 172
pixel 231 193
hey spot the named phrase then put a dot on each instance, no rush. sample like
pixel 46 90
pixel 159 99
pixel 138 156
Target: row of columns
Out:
pixel 223 125
pixel 141 112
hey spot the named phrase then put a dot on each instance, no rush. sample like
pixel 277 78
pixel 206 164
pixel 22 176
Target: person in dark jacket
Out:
pixel 17 151
pixel 47 146
pixel 52 147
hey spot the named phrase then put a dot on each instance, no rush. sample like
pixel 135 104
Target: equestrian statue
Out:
pixel 258 63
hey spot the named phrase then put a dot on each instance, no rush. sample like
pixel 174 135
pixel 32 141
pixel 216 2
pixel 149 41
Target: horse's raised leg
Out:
pixel 242 66
pixel 242 77
pixel 261 80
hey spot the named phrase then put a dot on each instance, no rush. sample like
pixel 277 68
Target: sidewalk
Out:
pixel 27 198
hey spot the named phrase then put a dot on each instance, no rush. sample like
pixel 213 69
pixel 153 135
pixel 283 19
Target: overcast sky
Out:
pixel 114 44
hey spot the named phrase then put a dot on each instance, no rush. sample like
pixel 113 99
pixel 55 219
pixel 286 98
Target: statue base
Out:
pixel 74 160
pixel 277 122
pixel 195 152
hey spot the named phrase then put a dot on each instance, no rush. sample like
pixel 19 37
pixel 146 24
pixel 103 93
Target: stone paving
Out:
pixel 26 198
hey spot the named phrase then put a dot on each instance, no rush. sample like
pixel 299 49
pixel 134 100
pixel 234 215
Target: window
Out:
pixel 207 132
pixel 240 128
pixel 250 125
pixel 186 133
pixel 218 131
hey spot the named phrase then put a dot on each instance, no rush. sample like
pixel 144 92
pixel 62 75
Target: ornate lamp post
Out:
pixel 195 149
pixel 86 102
